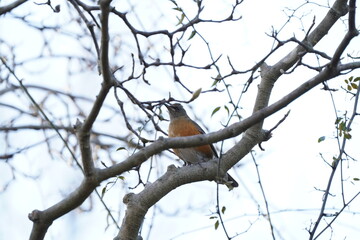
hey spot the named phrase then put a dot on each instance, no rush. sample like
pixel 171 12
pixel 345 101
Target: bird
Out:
pixel 181 125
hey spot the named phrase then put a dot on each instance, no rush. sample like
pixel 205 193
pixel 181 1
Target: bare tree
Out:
pixel 134 62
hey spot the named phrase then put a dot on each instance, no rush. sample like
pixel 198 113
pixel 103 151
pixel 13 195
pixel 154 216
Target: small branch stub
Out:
pixel 34 216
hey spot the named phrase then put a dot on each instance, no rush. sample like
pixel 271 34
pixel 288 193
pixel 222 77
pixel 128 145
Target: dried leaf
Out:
pixel 195 95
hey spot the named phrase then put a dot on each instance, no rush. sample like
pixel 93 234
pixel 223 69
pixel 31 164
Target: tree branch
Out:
pixel 11 6
pixel 352 32
pixel 138 204
pixel 228 160
pixel 43 219
pixel 85 128
pixel 338 10
pixel 182 175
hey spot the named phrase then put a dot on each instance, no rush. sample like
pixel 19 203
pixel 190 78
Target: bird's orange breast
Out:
pixel 182 127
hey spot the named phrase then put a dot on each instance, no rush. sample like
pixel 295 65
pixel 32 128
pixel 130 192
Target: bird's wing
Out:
pixel 211 145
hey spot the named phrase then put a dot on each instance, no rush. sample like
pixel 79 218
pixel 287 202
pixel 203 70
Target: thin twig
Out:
pixel 43 114
pixel 336 58
pixel 268 216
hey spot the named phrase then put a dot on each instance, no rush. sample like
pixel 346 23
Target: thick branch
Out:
pixel 226 133
pixel 43 219
pixel 338 10
pixel 140 203
pixel 85 128
pixel 11 6
pixel 144 200
pixel 104 65
pixel 269 75
pixel 104 51
pixel 352 32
